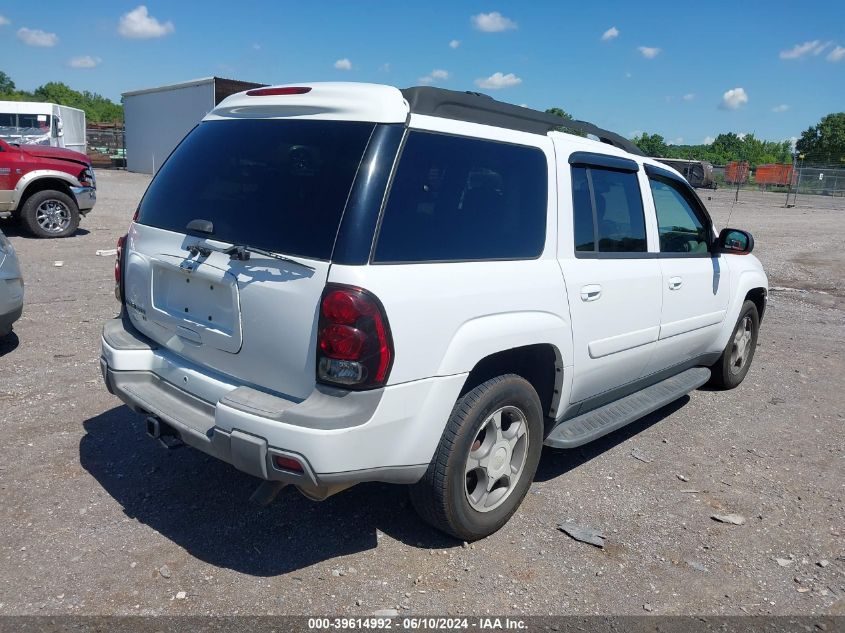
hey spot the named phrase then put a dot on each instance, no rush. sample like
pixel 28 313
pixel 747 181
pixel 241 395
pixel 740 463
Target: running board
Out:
pixel 593 424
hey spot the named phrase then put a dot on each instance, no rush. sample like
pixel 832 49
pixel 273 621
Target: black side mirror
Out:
pixel 735 242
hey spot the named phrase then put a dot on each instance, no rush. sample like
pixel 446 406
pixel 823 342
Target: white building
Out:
pixel 158 118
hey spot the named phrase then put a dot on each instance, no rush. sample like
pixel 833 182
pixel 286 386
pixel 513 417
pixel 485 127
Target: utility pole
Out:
pixel 791 178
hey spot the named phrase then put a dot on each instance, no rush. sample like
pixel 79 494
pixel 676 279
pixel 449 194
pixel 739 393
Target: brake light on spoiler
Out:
pixel 277 92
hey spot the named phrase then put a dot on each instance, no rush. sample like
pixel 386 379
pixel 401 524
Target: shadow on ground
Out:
pixel 8 343
pixel 13 228
pixel 202 504
pixel 556 462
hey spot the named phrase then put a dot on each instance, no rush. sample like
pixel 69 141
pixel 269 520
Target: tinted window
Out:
pixel 681 230
pixel 582 208
pixel 607 204
pixel 275 184
pixel 457 198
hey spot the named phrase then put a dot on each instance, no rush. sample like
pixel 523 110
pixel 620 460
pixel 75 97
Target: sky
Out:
pixel 685 70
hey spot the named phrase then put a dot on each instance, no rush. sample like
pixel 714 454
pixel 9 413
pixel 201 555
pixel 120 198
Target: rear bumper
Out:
pixel 86 197
pixel 339 437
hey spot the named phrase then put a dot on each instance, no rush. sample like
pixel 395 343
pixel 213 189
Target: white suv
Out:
pixel 333 283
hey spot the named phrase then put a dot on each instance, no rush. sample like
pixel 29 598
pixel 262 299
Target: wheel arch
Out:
pixel 759 297
pixel 540 364
pixel 42 180
pixel 750 284
pixel 532 344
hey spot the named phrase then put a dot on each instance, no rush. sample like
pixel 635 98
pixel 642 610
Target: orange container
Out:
pixel 775 174
pixel 736 172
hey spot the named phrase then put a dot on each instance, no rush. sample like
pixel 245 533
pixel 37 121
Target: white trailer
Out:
pixel 158 118
pixel 33 123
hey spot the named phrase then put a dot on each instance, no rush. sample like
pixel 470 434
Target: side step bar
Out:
pixel 593 424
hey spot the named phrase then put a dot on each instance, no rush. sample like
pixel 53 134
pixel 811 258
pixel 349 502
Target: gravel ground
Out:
pixel 98 519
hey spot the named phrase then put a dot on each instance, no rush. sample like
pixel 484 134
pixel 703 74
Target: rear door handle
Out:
pixel 590 292
pixel 675 283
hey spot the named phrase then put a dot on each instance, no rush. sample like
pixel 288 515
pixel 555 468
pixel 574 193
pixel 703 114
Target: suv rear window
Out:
pixel 608 211
pixel 464 199
pixel 280 185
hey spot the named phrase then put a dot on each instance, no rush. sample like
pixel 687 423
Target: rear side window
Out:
pixel 464 199
pixel 607 210
pixel 280 185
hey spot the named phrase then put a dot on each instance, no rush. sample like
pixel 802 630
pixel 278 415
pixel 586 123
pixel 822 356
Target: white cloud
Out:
pixel 454 43
pixel 4 20
pixel 689 96
pixel 648 52
pixel 780 108
pixel 742 135
pixel 733 99
pixel 708 140
pixel 343 64
pixel 837 54
pixel 37 37
pixel 256 46
pixel 610 34
pixel 793 141
pixel 493 22
pixel 385 67
pixel 434 76
pixel 138 24
pixel 497 81
pixel 801 50
pixel 84 61
pixel 676 141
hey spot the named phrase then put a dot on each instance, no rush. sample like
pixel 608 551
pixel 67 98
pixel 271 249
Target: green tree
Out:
pixel 825 141
pixel 651 144
pixel 559 112
pixel 564 115
pixel 97 107
pixel 7 86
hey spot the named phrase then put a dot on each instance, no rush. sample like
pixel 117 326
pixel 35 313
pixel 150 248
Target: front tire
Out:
pixel 733 365
pixel 50 214
pixel 486 460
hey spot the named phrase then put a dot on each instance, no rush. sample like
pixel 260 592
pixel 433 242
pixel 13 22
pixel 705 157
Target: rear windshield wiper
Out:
pixel 241 252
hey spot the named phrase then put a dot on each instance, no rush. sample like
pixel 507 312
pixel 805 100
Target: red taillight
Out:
pixel 277 92
pixel 287 463
pixel 342 342
pixel 354 343
pixel 118 268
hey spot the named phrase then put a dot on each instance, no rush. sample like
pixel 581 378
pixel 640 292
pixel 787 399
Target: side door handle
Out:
pixel 590 292
pixel 675 283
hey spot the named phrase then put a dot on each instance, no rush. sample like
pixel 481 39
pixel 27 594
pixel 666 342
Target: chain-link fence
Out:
pixel 801 185
pixel 106 146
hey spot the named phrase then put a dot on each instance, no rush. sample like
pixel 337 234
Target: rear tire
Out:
pixel 50 214
pixel 486 460
pixel 733 365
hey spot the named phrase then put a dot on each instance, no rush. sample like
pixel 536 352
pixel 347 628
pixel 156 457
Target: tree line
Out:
pixel 820 144
pixel 724 149
pixel 98 109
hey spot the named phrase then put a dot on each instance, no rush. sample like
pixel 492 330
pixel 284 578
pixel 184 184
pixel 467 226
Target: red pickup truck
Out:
pixel 47 188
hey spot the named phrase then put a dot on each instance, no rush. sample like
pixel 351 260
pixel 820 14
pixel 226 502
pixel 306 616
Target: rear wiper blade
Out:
pixel 241 252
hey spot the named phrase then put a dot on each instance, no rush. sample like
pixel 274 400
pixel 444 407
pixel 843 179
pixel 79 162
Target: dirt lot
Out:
pixel 98 519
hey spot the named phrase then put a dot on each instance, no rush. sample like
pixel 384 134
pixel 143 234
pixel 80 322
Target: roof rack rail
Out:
pixel 475 107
